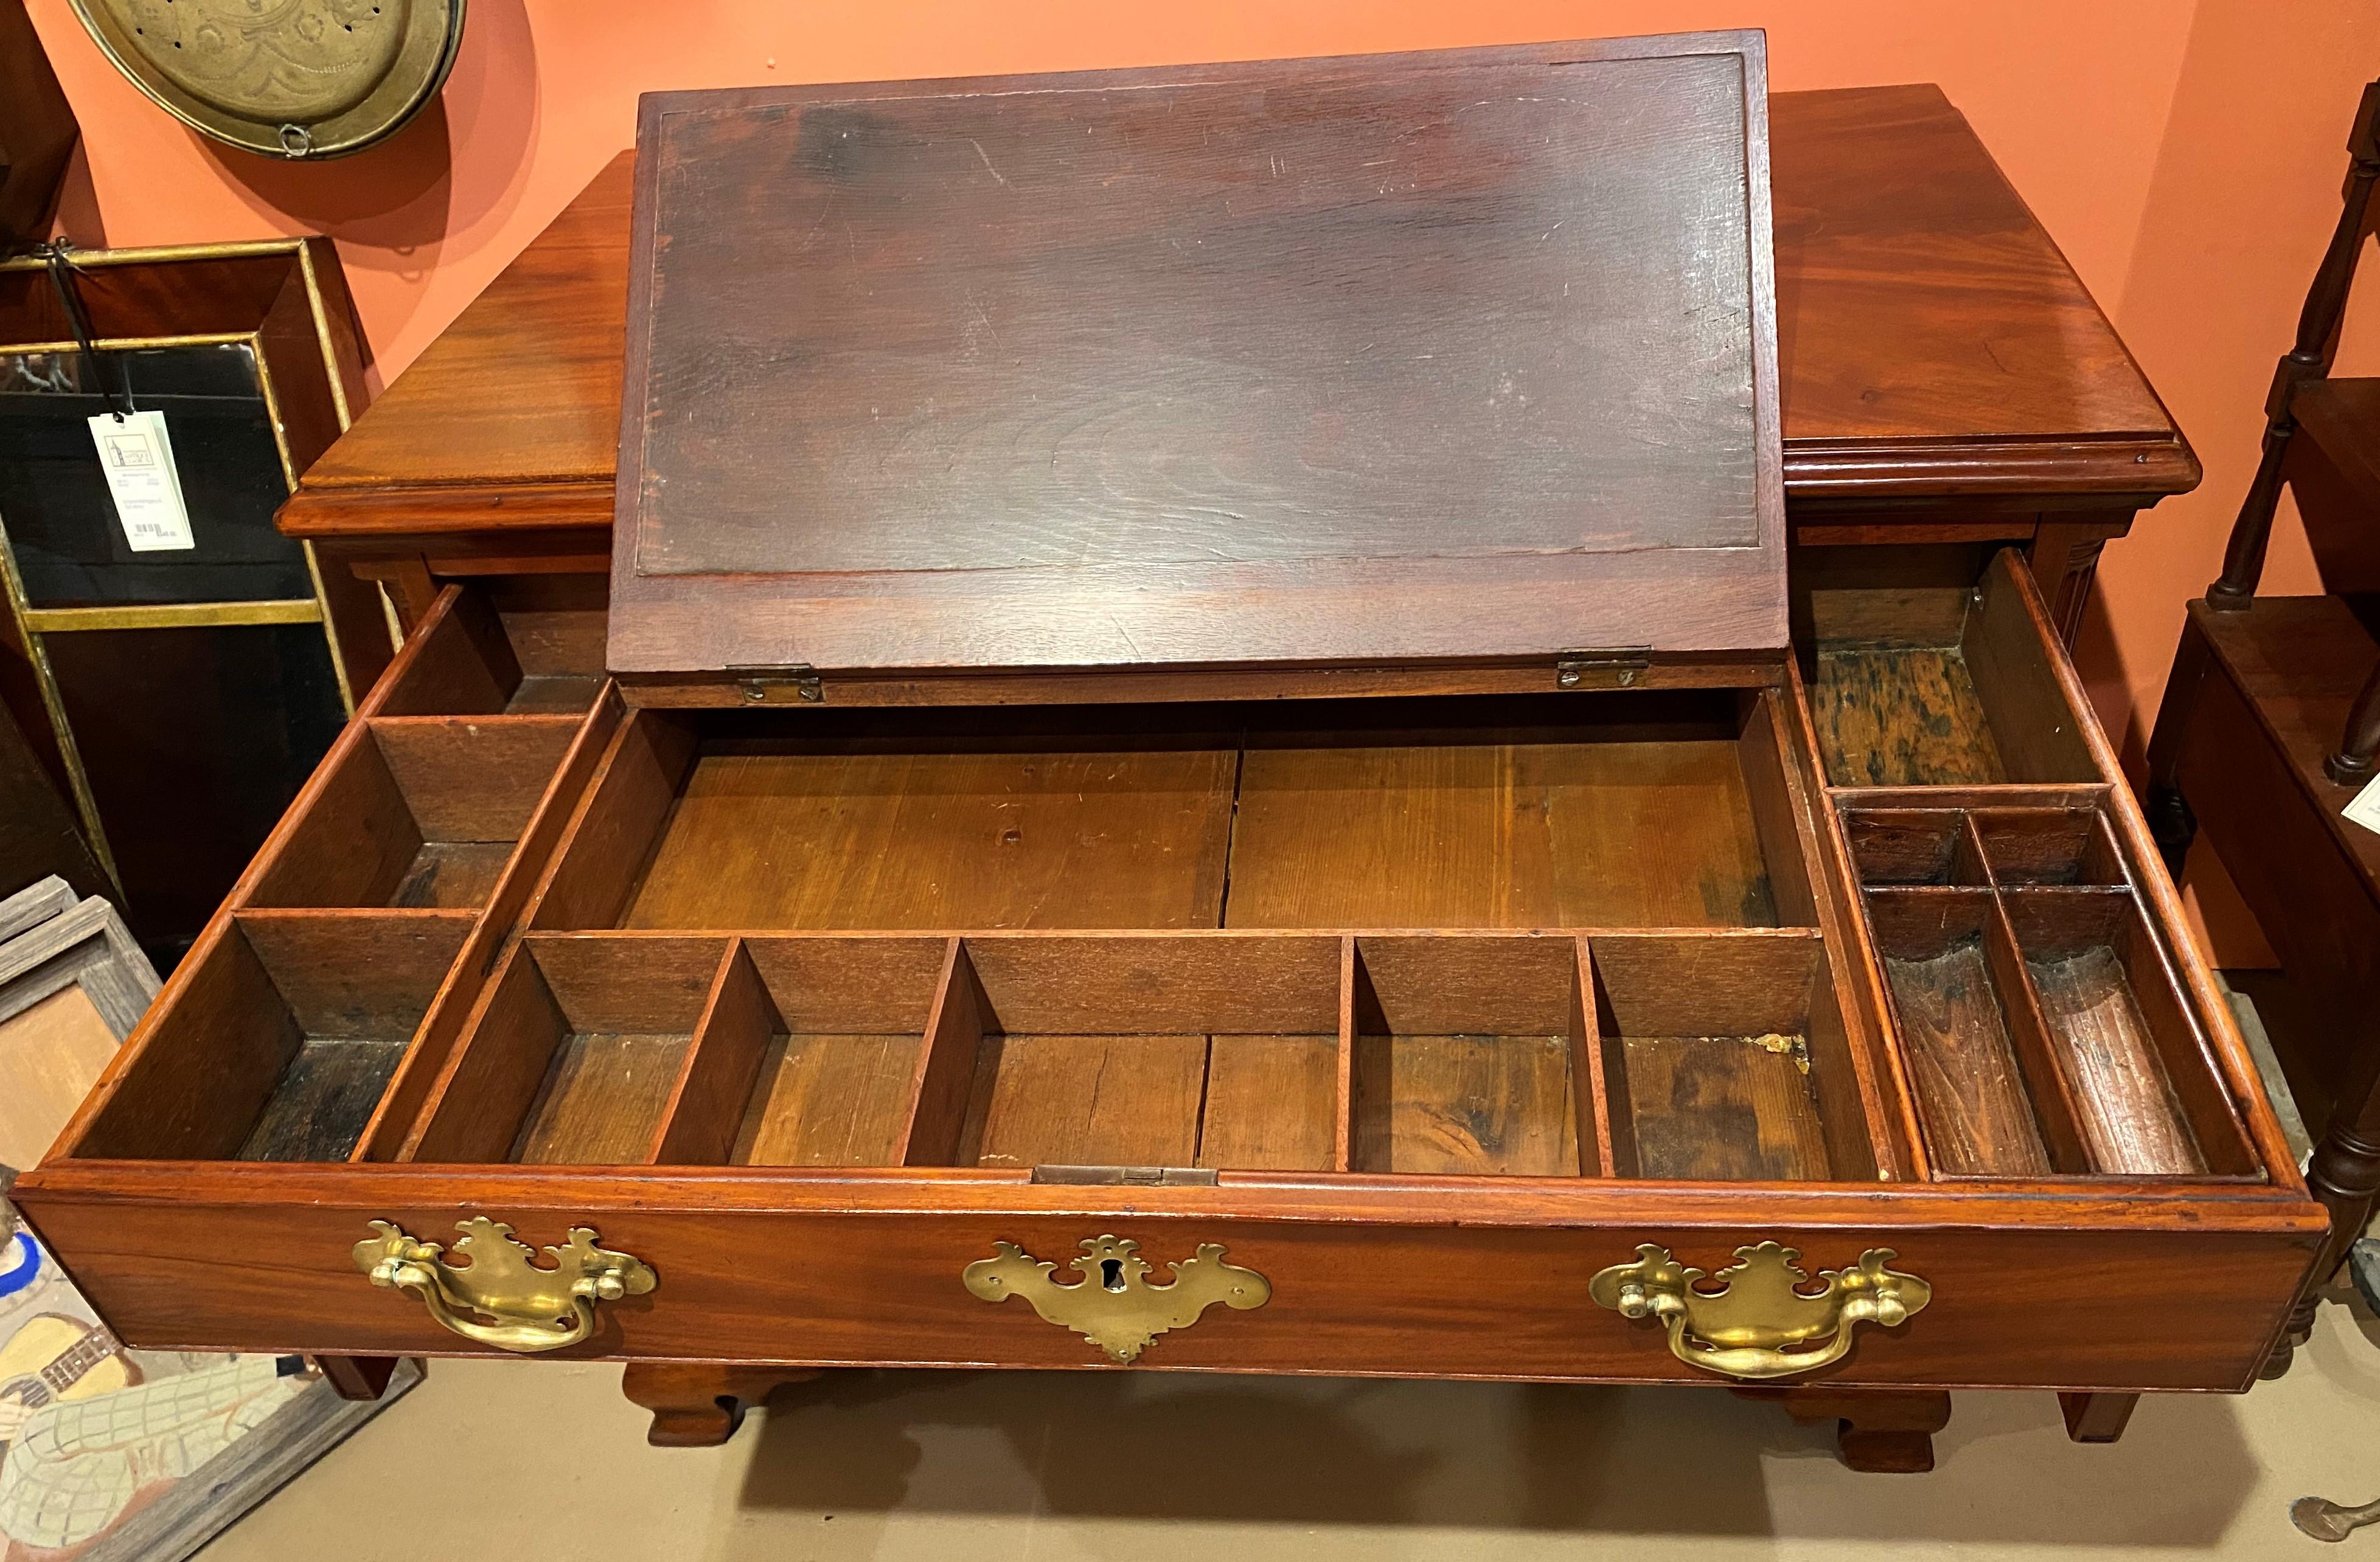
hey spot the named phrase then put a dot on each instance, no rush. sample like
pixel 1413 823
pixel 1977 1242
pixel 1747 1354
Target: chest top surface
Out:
pixel 1912 278
pixel 1444 354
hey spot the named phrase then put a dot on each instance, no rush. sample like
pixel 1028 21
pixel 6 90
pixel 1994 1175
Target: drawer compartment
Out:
pixel 1942 689
pixel 421 812
pixel 517 646
pixel 1309 814
pixel 286 1030
pixel 1382 1276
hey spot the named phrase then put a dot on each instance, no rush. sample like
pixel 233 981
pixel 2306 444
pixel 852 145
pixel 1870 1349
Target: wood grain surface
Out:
pixel 1293 361
pixel 1607 834
pixel 786 840
pixel 1911 277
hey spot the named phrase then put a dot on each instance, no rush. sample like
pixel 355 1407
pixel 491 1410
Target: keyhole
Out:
pixel 1111 1273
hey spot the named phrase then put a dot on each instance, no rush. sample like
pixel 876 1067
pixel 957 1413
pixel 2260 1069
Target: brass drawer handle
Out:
pixel 1114 1306
pixel 1744 1329
pixel 531 1309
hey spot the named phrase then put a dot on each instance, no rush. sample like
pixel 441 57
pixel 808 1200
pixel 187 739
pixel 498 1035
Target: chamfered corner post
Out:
pixel 2096 1417
pixel 358 1377
pixel 2171 823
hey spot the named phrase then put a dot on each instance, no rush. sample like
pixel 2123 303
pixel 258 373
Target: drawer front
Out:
pixel 2103 1300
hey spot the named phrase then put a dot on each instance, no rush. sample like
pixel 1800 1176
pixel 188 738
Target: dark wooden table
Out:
pixel 1947 376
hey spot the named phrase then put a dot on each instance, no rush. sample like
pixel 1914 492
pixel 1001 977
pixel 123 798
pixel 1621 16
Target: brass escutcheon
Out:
pixel 500 1297
pixel 1114 1306
pixel 1745 1328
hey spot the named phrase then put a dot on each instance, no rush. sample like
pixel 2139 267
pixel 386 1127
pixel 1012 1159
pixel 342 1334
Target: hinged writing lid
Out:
pixel 1456 354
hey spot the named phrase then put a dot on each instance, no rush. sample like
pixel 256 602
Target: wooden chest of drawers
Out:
pixel 1076 764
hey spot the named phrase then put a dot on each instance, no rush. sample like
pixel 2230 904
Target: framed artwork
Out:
pixel 110 1455
pixel 73 984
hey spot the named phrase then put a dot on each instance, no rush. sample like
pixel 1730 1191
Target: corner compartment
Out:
pixel 1214 1051
pixel 1724 1058
pixel 286 1034
pixel 1468 1057
pixel 528 644
pixel 2150 1101
pixel 422 813
pixel 1940 687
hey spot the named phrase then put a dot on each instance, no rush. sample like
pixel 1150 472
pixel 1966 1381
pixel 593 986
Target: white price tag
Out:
pixel 138 456
pixel 2366 809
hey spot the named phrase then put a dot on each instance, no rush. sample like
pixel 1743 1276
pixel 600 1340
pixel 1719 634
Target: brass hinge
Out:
pixel 1127 1176
pixel 1613 668
pixel 780 685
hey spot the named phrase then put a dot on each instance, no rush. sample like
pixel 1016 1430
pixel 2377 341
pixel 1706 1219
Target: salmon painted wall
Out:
pixel 2185 153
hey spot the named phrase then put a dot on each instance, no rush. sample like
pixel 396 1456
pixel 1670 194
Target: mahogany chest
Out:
pixel 1199 751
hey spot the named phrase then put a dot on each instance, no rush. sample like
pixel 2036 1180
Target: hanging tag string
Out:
pixel 70 299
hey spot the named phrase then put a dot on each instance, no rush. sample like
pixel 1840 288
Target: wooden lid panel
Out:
pixel 1465 354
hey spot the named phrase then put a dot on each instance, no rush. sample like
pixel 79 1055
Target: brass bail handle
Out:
pixel 1744 1329
pixel 500 1297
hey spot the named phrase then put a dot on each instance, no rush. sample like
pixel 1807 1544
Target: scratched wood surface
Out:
pixel 1272 361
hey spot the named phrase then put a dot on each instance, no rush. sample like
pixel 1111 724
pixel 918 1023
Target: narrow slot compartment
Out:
pixel 809 1053
pixel 422 813
pixel 1990 1097
pixel 2149 1098
pixel 1724 1058
pixel 1915 846
pixel 1466 1056
pixel 283 1040
pixel 1215 1051
pixel 574 1054
pixel 1941 688
pixel 510 646
pixel 2050 846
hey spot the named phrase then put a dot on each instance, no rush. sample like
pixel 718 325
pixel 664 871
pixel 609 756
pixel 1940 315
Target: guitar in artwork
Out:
pixel 53 1357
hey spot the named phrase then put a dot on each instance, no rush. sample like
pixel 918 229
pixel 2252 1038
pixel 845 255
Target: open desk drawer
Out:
pixel 1418 1031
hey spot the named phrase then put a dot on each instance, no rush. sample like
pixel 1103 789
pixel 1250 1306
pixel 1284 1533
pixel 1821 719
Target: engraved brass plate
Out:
pixel 499 1296
pixel 297 79
pixel 1748 1327
pixel 1114 1305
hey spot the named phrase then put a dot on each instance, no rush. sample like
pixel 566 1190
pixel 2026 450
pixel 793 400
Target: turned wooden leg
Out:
pixel 2096 1417
pixel 2170 821
pixel 358 1377
pixel 1878 1432
pixel 2345 1175
pixel 2355 762
pixel 698 1405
